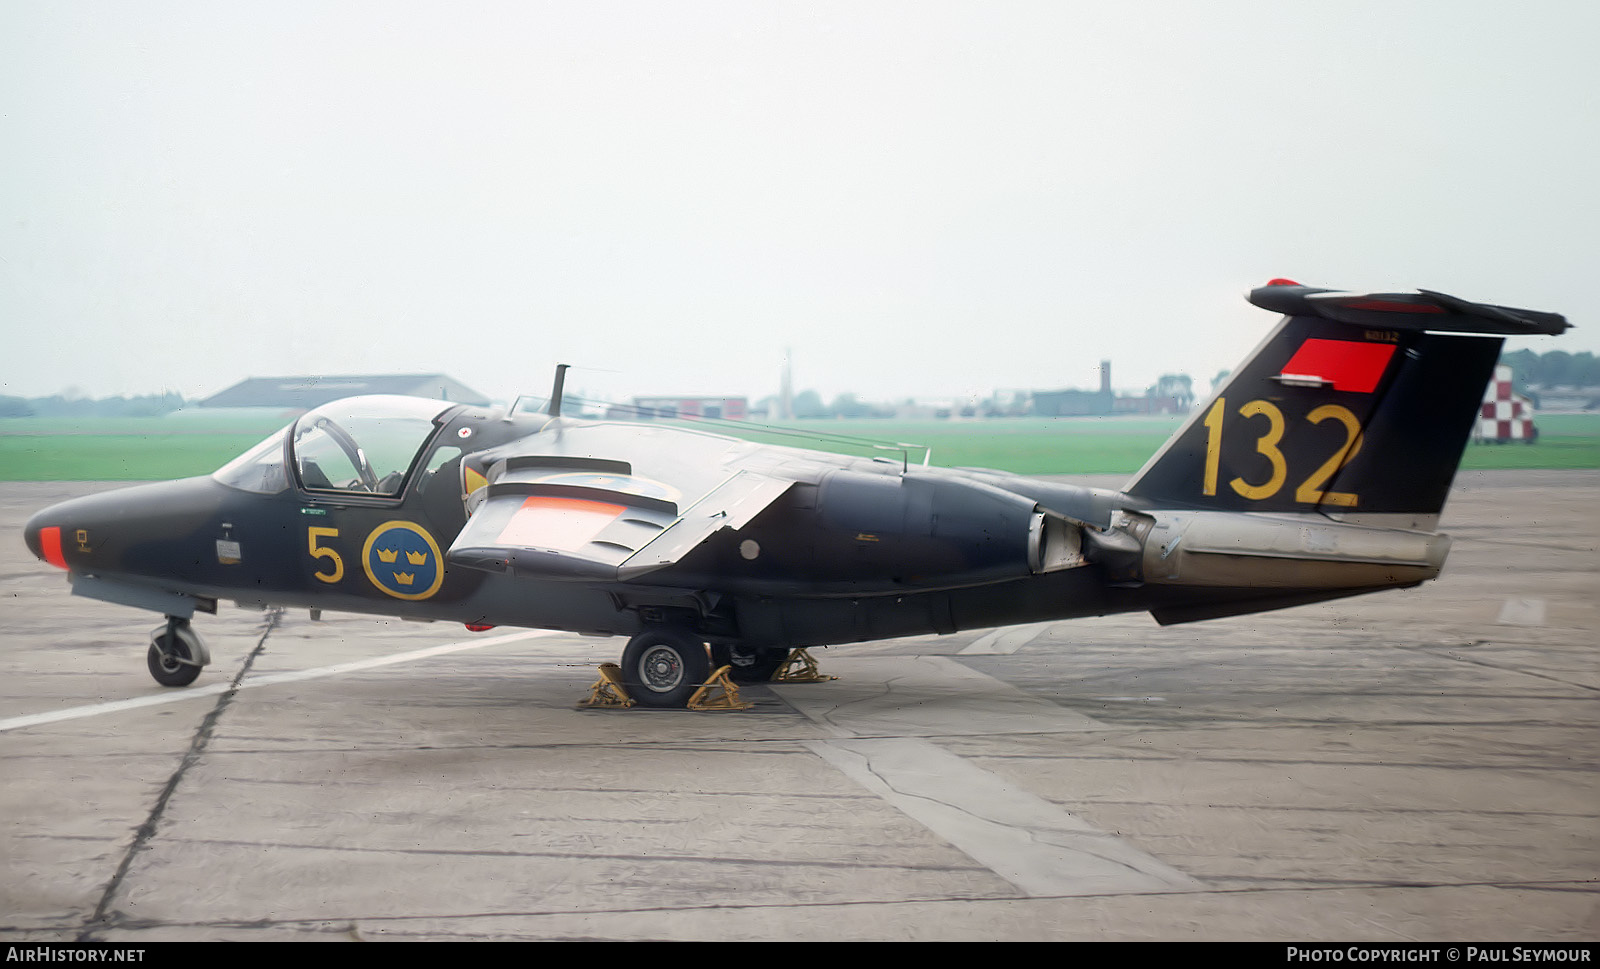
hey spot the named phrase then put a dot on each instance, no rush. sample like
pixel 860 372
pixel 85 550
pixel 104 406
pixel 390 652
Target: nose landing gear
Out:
pixel 176 653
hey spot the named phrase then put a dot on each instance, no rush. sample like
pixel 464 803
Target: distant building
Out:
pixel 1077 403
pixel 1572 399
pixel 667 408
pixel 304 393
pixel 925 410
pixel 1098 403
pixel 1149 404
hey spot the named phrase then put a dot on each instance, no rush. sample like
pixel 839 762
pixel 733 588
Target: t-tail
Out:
pixel 1343 430
pixel 1355 405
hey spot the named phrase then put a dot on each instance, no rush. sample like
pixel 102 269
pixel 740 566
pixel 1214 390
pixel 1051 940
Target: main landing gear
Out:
pixel 663 667
pixel 176 653
pixel 670 666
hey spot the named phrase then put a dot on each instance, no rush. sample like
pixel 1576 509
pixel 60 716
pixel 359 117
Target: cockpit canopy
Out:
pixel 359 445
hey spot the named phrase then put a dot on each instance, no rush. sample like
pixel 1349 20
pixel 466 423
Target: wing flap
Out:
pixel 730 505
pixel 595 528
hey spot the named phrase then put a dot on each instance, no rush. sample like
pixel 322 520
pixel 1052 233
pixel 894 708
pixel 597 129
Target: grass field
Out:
pixel 144 449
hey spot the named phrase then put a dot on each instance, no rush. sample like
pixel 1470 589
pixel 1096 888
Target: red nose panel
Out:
pixel 50 546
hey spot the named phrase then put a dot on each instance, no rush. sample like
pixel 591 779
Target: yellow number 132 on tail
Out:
pixel 1308 491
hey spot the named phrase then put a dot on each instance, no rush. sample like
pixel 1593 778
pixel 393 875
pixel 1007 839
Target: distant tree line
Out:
pixel 148 405
pixel 1555 368
pixel 808 405
pixel 1177 386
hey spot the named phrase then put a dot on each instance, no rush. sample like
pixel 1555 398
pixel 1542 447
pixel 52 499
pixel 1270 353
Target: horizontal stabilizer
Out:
pixel 1421 310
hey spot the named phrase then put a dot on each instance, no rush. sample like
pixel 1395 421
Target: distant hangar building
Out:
pixel 304 393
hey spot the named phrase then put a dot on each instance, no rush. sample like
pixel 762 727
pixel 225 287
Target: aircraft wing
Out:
pixel 554 510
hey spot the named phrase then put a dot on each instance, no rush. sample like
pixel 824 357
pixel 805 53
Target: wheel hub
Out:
pixel 661 669
pixel 173 652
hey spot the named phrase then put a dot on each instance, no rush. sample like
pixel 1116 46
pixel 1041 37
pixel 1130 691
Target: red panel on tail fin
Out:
pixel 1346 364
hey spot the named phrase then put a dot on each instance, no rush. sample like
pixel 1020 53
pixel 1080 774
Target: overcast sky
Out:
pixel 924 198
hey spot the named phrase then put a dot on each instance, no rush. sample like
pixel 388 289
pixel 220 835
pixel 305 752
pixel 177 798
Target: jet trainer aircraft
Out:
pixel 1318 470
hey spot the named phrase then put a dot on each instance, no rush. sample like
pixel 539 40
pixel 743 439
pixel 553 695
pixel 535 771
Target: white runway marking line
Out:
pixel 1021 837
pixel 1005 640
pixel 1522 612
pixel 271 679
pixel 1031 843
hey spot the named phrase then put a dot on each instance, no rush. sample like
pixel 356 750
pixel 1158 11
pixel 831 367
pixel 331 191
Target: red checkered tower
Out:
pixel 1505 415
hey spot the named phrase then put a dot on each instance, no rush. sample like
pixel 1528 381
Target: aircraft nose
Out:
pixel 43 536
pixel 147 529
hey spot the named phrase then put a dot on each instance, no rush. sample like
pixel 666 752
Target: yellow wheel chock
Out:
pixel 717 693
pixel 800 667
pixel 708 696
pixel 608 691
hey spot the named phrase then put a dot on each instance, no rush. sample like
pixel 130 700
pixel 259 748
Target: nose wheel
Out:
pixel 176 653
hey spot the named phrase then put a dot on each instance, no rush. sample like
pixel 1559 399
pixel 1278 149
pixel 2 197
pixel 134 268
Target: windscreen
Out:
pixel 259 469
pixel 363 445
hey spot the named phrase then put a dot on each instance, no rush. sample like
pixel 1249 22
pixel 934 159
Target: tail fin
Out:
pixel 1354 404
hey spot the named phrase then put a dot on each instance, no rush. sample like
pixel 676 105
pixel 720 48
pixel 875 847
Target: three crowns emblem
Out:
pixel 388 556
pixel 396 546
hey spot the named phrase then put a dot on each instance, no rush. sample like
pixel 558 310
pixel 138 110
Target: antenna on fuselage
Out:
pixel 554 410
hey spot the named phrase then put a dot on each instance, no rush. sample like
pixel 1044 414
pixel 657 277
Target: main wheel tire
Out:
pixel 749 664
pixel 663 668
pixel 172 654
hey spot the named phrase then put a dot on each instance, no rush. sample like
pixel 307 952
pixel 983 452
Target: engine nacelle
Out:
pixel 930 530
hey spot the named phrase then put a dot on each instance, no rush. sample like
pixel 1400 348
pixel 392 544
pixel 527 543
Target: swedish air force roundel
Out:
pixel 403 560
